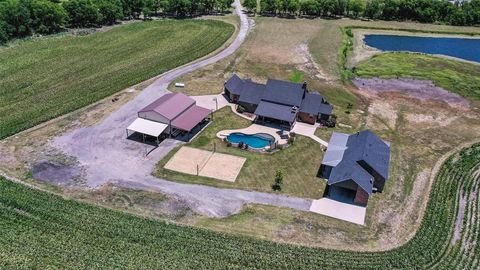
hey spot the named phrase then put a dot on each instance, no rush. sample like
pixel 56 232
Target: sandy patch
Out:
pixel 206 163
pixel 361 51
pixel 439 119
pixel 309 65
pixel 384 111
pixel 223 167
pixel 419 89
pixel 188 160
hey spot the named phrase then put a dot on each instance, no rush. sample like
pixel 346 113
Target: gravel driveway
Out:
pixel 107 156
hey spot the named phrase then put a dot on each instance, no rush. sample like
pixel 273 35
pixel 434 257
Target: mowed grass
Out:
pixel 455 76
pixel 44 231
pixel 299 163
pixel 43 79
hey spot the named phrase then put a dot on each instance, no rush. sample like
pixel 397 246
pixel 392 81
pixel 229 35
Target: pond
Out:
pixel 463 48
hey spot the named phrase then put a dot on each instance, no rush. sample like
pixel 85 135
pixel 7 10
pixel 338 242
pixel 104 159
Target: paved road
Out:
pixel 107 156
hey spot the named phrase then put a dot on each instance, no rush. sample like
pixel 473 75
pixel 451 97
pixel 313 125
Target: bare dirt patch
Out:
pixel 58 174
pixel 383 110
pixel 309 65
pixel 419 89
pixel 457 232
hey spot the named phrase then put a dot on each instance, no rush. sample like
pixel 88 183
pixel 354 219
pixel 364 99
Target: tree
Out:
pixel 277 185
pixel 148 8
pixel 46 17
pixel 110 11
pixel 16 17
pixel 82 13
pixel 293 6
pixel 250 5
pixel 179 7
pixel 356 7
pixel 309 7
pixel 268 6
pixel 3 32
pixel 133 8
pixel 373 9
pixel 225 5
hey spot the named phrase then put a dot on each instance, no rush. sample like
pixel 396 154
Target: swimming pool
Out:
pixel 464 48
pixel 258 140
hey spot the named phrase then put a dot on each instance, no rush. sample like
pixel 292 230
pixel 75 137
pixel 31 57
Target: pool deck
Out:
pixel 254 128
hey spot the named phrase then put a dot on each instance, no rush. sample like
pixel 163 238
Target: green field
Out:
pixel 299 163
pixel 456 76
pixel 41 230
pixel 45 78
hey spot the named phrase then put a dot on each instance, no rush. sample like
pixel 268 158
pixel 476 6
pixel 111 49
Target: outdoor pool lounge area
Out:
pixel 258 140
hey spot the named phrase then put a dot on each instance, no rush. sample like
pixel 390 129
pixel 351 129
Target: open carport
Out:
pixel 146 128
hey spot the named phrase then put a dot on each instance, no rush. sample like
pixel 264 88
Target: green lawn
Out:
pixel 44 231
pixel 299 163
pixel 45 78
pixel 455 76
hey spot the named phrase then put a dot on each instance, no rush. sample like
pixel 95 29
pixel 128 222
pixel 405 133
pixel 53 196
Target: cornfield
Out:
pixel 41 230
pixel 45 78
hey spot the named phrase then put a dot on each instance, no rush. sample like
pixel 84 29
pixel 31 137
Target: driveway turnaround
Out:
pixel 107 156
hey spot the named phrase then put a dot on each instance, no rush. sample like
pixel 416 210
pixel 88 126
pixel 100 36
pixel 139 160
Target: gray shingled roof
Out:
pixel 284 92
pixel 234 85
pixel 252 92
pixel 276 111
pixel 311 103
pixel 364 146
pixel 325 108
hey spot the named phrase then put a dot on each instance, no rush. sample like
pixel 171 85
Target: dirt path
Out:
pixel 105 155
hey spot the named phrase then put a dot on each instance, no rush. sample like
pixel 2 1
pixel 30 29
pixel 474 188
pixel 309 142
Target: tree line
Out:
pixel 21 18
pixel 462 12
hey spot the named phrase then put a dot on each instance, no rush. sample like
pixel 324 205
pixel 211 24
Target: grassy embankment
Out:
pixel 41 230
pixel 45 78
pixel 299 163
pixel 455 76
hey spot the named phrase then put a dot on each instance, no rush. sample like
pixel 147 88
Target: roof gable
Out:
pixel 234 85
pixel 311 103
pixel 170 105
pixel 284 92
pixel 252 92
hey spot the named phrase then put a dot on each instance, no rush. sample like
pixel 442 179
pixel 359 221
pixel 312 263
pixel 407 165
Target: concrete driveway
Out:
pixel 343 211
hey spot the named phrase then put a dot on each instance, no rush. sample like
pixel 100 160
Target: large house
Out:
pixel 355 166
pixel 278 101
pixel 170 115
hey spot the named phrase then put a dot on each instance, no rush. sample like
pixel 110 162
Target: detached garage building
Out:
pixel 170 115
pixel 356 166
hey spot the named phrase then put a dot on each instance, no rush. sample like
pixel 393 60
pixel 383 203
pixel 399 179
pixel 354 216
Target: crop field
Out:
pixel 41 230
pixel 48 77
pixel 456 76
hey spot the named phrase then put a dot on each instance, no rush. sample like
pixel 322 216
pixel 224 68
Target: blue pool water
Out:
pixel 259 140
pixel 464 48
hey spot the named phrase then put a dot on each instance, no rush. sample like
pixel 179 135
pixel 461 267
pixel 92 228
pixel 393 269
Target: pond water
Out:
pixel 464 48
